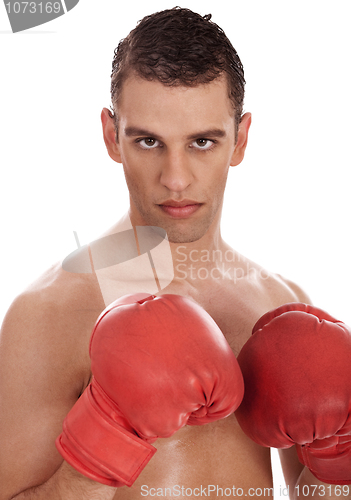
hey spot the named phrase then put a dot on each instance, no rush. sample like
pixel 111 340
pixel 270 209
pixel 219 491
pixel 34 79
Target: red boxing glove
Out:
pixel 297 374
pixel 158 363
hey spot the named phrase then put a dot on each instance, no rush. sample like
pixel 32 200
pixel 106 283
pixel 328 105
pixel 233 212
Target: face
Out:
pixel 176 146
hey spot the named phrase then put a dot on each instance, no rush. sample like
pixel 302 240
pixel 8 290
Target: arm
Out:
pixel 67 484
pixel 44 367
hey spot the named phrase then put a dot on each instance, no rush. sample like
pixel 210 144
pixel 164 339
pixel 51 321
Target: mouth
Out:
pixel 180 209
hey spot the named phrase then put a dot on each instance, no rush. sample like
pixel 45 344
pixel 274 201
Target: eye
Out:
pixel 148 143
pixel 203 144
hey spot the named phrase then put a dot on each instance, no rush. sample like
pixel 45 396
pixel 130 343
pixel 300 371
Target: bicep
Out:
pixel 36 392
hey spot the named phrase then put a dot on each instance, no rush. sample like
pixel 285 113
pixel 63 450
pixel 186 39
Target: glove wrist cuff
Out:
pixel 329 465
pixel 97 447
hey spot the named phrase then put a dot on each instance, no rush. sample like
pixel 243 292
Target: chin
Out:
pixel 175 237
pixel 181 230
pixel 185 233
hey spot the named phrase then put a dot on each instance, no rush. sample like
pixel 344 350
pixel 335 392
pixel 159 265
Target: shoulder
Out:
pixel 293 289
pixel 48 326
pixel 276 287
pixel 56 296
pixel 281 290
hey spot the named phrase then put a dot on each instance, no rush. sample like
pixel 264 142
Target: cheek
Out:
pixel 217 171
pixel 217 180
pixel 133 169
pixel 139 178
pixel 136 165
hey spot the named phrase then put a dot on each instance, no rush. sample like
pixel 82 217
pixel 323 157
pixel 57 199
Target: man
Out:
pixel 177 127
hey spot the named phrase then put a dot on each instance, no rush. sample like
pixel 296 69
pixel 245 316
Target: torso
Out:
pixel 216 459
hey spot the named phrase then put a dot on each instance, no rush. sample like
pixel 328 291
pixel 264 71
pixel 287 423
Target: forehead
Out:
pixel 163 108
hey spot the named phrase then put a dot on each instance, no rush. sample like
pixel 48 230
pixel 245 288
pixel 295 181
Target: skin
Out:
pixel 184 153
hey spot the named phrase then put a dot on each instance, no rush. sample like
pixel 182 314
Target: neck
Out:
pixel 195 258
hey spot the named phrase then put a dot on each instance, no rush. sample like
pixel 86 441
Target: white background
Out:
pixel 287 205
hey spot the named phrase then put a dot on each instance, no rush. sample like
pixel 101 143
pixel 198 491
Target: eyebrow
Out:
pixel 213 132
pixel 135 131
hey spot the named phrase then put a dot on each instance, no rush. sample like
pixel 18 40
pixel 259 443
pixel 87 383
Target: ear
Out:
pixel 109 132
pixel 243 133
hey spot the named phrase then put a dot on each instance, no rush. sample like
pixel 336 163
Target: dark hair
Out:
pixel 179 47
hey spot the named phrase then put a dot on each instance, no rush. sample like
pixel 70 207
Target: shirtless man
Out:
pixel 176 133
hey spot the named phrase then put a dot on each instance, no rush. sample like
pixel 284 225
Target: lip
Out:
pixel 180 209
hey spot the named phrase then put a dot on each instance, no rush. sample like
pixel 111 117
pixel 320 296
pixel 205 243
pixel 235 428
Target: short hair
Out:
pixel 178 47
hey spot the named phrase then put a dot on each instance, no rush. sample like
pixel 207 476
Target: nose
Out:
pixel 176 172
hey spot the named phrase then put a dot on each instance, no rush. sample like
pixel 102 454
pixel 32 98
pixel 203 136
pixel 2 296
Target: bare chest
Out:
pixel 235 309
